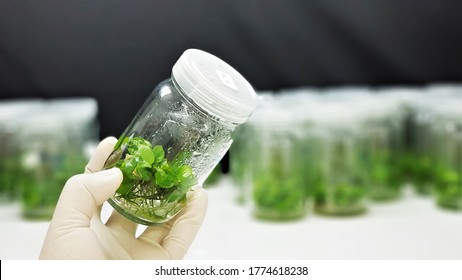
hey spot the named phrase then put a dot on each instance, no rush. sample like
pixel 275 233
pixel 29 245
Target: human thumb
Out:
pixel 81 196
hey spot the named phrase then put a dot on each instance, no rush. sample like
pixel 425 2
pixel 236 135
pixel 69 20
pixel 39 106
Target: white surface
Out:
pixel 19 239
pixel 411 228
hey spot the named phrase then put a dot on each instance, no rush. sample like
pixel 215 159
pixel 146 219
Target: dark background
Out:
pixel 118 51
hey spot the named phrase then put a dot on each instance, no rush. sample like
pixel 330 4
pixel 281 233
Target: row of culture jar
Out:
pixel 335 150
pixel 43 143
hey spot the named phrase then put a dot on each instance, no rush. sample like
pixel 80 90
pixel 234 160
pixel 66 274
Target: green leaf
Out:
pixel 142 171
pixel 449 176
pixel 187 183
pixel 125 187
pixel 179 160
pixel 146 154
pixel 136 143
pixel 174 195
pixel 158 153
pixel 163 179
pixel 128 166
pixel 183 172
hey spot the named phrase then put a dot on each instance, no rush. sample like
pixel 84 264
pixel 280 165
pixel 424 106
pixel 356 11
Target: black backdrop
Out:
pixel 117 51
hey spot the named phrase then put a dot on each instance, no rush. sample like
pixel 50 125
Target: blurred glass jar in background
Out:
pixel 448 167
pixel 338 164
pixel 243 153
pixel 278 184
pixel 52 144
pixel 43 164
pixel 11 114
pixel 383 147
pixel 402 100
pixel 422 154
pixel 419 163
pixel 80 116
pixel 299 103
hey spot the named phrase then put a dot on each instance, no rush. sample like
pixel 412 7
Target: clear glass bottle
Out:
pixel 243 154
pixel 278 189
pixel 47 162
pixel 80 115
pixel 11 114
pixel 401 120
pixel 178 136
pixel 338 169
pixel 423 148
pixel 448 165
pixel 382 148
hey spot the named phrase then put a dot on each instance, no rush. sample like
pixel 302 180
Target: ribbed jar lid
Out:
pixel 215 86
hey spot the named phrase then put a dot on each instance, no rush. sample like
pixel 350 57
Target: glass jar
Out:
pixel 403 98
pixel 383 147
pixel 243 151
pixel 48 160
pixel 423 148
pixel 52 140
pixel 338 162
pixel 11 114
pixel 278 187
pixel 178 136
pixel 80 115
pixel 448 167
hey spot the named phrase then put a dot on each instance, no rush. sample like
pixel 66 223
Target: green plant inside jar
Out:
pixel 8 178
pixel 419 169
pixel 343 199
pixel 278 192
pixel 152 187
pixel 341 190
pixel 9 167
pixel 41 188
pixel 383 175
pixel 448 188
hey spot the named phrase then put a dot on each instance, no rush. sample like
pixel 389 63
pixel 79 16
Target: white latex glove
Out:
pixel 76 230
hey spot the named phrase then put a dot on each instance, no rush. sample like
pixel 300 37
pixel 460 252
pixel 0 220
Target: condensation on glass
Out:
pixel 178 136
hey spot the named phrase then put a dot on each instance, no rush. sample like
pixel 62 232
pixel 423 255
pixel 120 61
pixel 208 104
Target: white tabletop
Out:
pixel 411 228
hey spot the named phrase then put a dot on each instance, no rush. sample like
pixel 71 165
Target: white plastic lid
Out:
pixel 78 109
pixel 215 86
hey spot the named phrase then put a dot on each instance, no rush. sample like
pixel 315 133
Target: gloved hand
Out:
pixel 76 230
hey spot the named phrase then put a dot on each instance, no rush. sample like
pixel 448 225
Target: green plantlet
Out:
pixel 278 189
pixel 448 188
pixel 158 153
pixel 344 199
pixel 164 179
pixel 152 186
pixel 41 188
pixel 146 154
